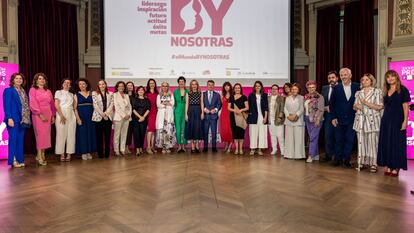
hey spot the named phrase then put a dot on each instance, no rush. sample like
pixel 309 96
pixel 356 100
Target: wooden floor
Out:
pixel 202 193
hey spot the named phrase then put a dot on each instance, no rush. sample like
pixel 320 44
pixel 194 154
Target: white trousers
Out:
pixel 120 135
pixel 295 142
pixel 66 133
pixel 277 135
pixel 258 136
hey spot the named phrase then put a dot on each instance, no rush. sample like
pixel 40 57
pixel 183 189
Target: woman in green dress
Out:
pixel 179 114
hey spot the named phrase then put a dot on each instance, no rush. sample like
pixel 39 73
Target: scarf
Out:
pixel 25 108
pixel 313 105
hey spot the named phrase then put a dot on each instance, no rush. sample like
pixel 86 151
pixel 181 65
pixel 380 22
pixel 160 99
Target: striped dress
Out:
pixel 367 125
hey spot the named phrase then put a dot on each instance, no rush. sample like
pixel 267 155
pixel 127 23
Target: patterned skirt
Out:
pixel 165 137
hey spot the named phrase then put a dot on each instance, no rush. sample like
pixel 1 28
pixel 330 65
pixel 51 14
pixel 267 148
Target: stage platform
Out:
pixel 215 193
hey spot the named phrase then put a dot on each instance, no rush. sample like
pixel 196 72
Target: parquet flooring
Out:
pixel 203 193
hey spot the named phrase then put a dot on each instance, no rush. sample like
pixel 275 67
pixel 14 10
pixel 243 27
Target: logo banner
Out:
pixel 6 70
pixel 406 71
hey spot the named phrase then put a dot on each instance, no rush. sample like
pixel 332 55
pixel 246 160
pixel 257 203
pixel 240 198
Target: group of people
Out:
pixel 84 119
pixel 378 117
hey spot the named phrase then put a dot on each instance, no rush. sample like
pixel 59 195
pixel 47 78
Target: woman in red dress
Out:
pixel 152 93
pixel 225 129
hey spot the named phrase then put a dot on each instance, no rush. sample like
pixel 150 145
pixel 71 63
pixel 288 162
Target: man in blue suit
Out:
pixel 212 105
pixel 329 128
pixel 342 115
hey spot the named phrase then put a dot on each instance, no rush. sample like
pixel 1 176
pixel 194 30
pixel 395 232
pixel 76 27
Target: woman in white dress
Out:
pixel 369 105
pixel 122 117
pixel 295 125
pixel 65 122
pixel 165 137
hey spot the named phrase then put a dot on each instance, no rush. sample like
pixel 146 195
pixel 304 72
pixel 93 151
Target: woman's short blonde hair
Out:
pixel 371 77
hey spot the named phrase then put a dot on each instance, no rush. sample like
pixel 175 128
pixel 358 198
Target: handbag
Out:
pixel 240 119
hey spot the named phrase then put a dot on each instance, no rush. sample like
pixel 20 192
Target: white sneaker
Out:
pixel 274 152
pixel 89 156
pixel 84 157
pixel 309 160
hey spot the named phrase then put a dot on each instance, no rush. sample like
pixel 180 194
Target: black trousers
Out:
pixel 139 130
pixel 129 134
pixel 103 137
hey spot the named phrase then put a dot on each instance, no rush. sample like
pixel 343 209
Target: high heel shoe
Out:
pixel 16 164
pixel 42 160
pixel 395 174
pixel 67 158
pixel 149 151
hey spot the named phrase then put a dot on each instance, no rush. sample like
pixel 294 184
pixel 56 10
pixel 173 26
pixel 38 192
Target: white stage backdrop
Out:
pixel 235 40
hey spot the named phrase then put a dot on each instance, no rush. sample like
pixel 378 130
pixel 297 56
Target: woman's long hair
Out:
pixel 223 90
pixel 148 90
pixel 191 86
pixel 99 90
pixel 387 86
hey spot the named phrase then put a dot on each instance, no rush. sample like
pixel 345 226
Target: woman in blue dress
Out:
pixel 85 130
pixel 392 146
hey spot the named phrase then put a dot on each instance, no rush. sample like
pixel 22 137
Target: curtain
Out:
pixel 327 43
pixel 48 43
pixel 359 47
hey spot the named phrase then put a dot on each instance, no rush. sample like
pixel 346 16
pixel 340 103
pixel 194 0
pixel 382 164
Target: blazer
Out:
pixel 215 104
pixel 294 107
pixel 341 108
pixel 368 120
pixel 253 110
pixel 278 109
pixel 122 107
pixel 12 105
pixel 98 106
pixel 325 94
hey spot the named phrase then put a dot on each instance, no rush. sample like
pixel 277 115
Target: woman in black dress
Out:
pixel 140 110
pixel 194 114
pixel 238 105
pixel 130 87
pixel 392 147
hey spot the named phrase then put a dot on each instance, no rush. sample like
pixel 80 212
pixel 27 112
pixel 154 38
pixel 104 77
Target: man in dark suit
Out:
pixel 329 128
pixel 342 115
pixel 212 105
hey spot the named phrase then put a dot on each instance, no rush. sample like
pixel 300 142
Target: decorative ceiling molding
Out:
pixel 403 18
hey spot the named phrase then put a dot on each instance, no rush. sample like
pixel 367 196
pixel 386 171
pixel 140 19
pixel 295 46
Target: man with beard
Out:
pixel 329 128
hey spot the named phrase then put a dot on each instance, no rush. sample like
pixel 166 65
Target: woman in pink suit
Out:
pixel 43 110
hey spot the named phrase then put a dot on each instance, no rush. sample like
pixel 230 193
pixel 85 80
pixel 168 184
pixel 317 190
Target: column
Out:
pixel 312 41
pixel 13 29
